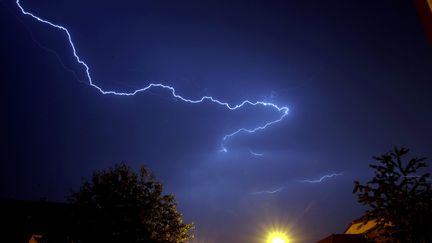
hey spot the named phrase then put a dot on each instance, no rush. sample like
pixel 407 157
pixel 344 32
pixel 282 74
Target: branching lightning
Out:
pixel 281 109
pixel 49 50
pixel 323 178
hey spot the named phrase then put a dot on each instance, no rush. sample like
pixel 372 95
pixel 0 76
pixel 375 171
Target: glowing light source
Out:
pixel 277 237
pixel 278 240
pixel 276 227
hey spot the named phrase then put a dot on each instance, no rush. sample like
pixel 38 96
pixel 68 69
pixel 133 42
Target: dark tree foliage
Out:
pixel 399 199
pixel 120 205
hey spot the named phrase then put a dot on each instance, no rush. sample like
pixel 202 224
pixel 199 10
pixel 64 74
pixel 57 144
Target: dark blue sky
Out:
pixel 356 77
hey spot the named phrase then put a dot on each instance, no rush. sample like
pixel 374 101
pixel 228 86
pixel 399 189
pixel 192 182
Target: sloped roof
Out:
pixel 344 238
pixel 358 227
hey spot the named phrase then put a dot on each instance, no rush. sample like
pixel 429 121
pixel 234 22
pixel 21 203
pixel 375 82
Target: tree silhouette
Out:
pixel 399 199
pixel 120 205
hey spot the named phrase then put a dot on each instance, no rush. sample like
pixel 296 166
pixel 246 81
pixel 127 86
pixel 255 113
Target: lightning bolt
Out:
pixel 283 110
pixel 267 192
pixel 323 178
pixel 255 153
pixel 47 49
pixel 307 181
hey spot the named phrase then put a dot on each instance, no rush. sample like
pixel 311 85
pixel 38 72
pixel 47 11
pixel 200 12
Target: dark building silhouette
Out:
pixel 424 9
pixel 344 238
pixel 358 232
pixel 25 221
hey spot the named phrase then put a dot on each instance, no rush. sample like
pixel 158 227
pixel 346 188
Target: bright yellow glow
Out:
pixel 277 237
pixel 275 228
pixel 278 240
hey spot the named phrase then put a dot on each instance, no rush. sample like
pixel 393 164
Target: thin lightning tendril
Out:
pixel 307 181
pixel 267 192
pixel 47 49
pixel 255 153
pixel 282 109
pixel 323 178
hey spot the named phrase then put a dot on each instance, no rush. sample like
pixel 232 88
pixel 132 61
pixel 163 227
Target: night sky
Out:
pixel 356 78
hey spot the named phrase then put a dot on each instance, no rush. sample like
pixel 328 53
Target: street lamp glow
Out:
pixel 277 237
pixel 278 240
